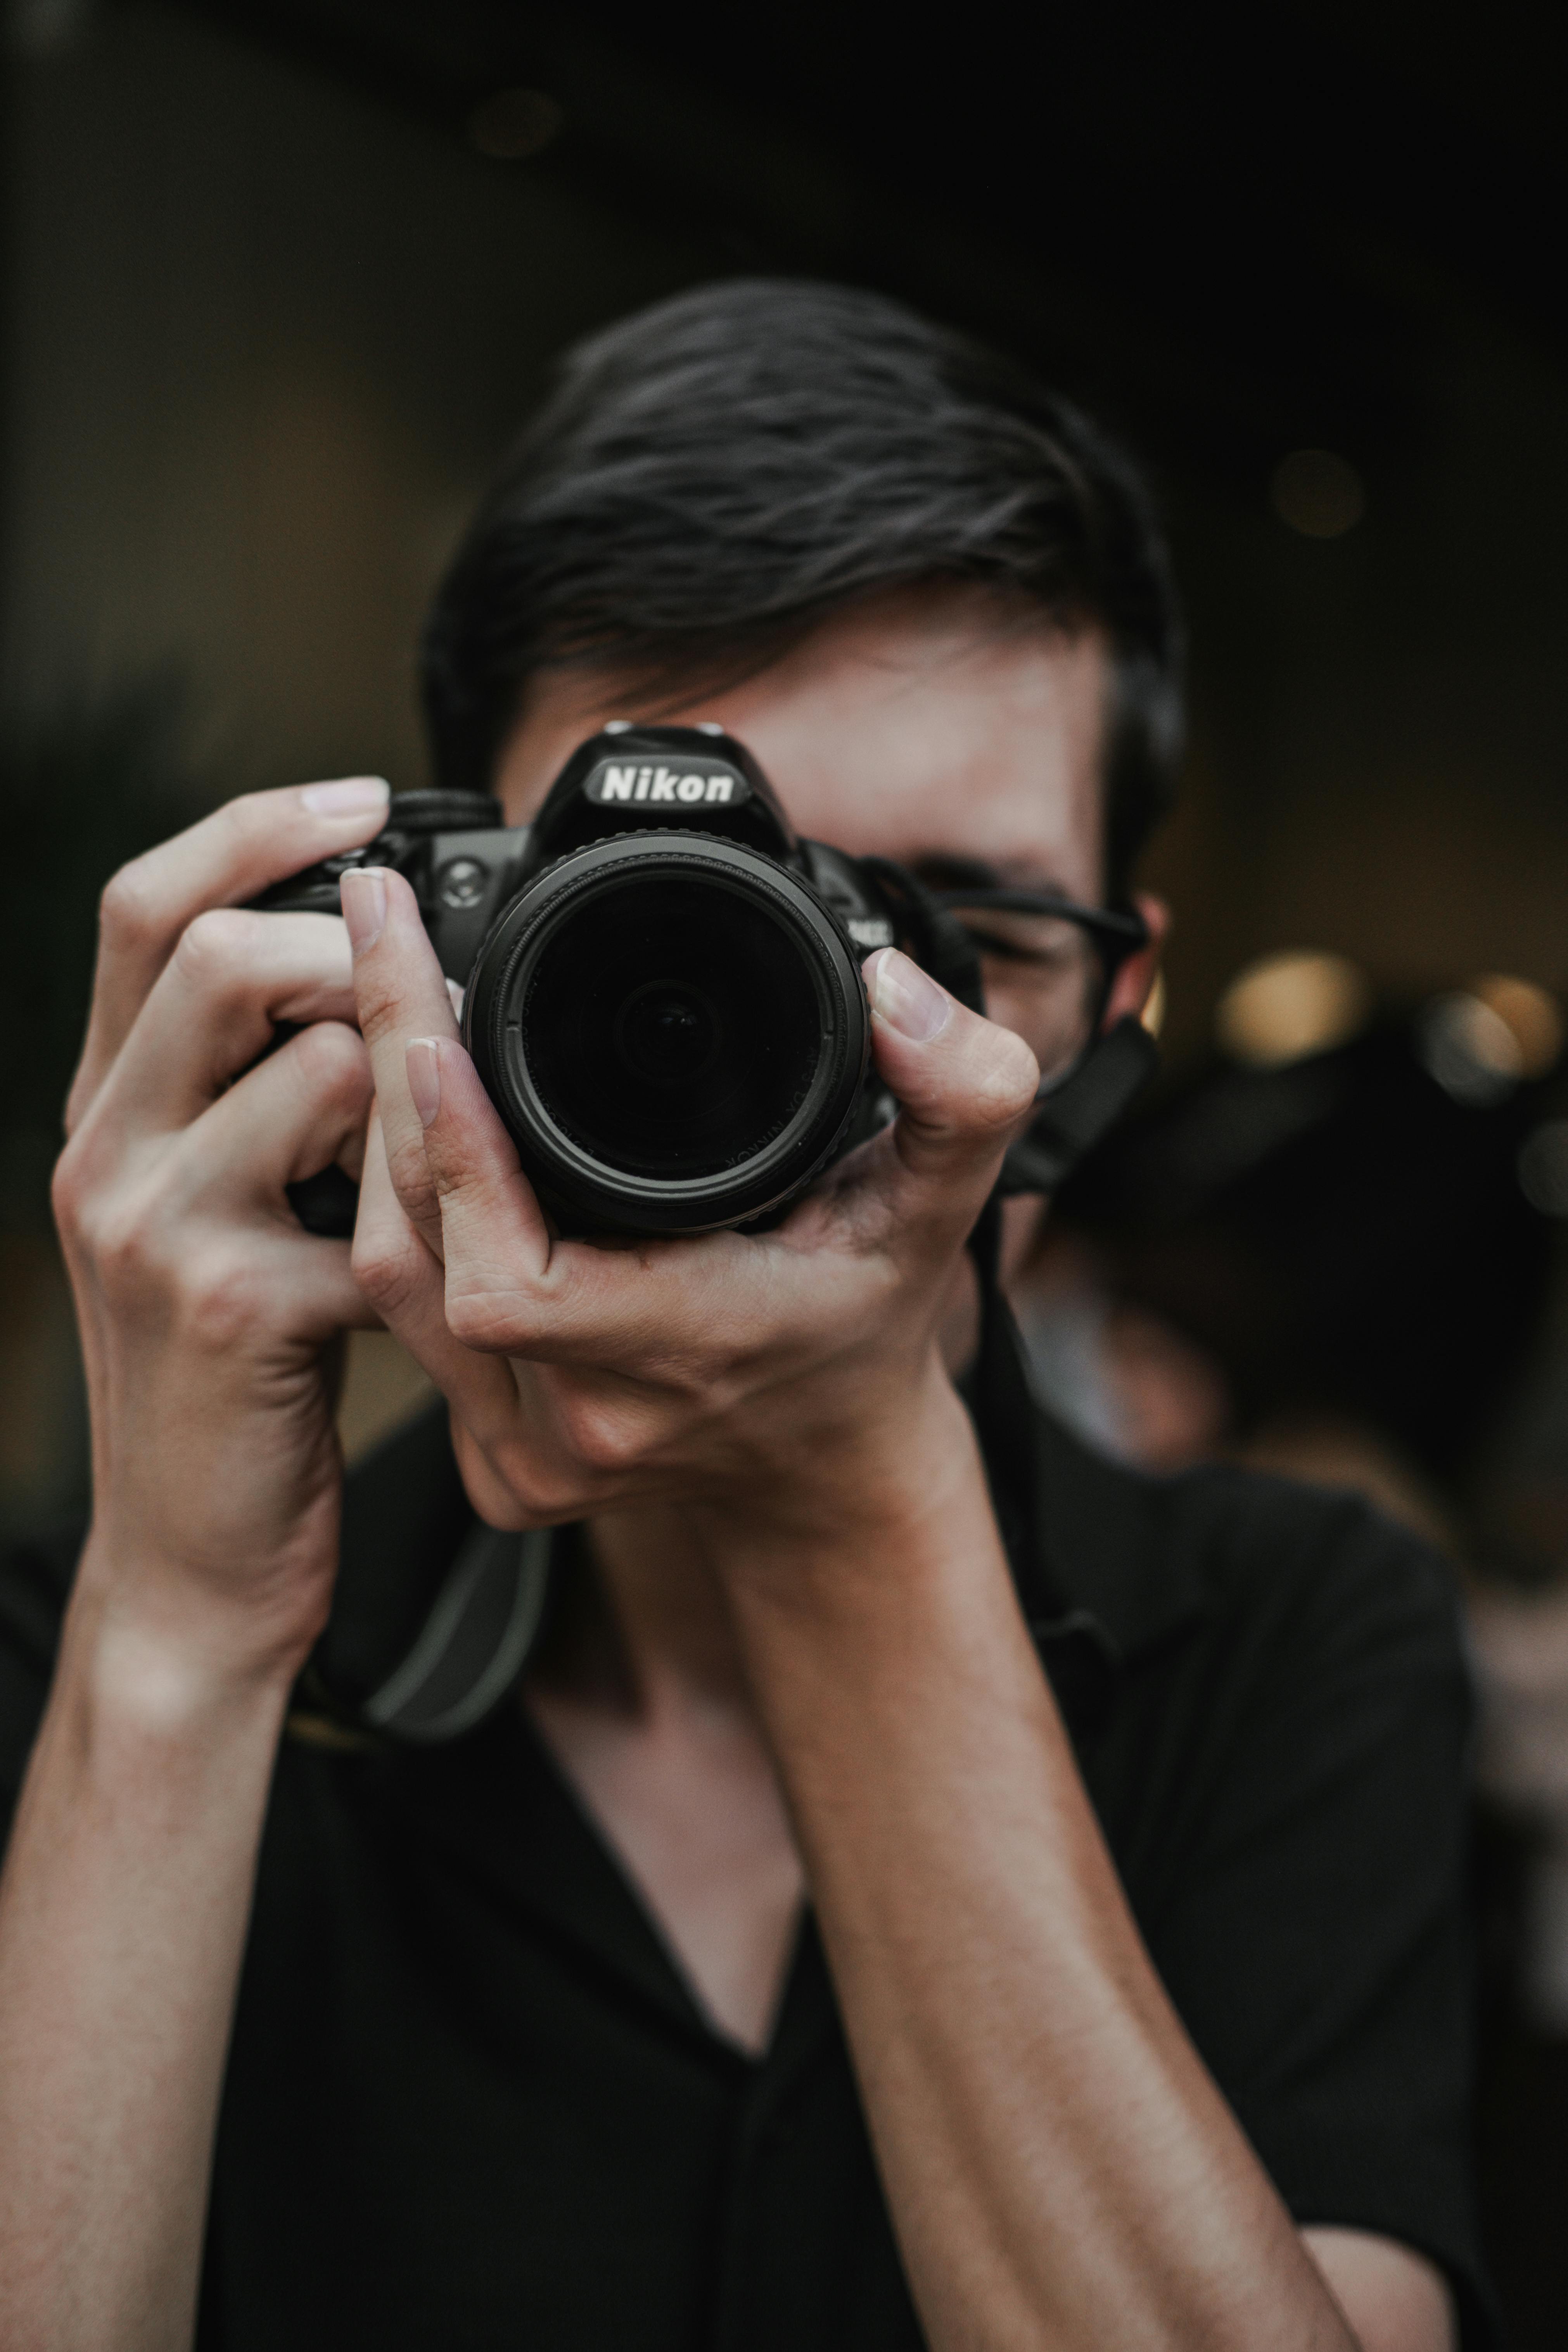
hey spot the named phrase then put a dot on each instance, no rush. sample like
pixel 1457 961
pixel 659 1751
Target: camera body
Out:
pixel 662 981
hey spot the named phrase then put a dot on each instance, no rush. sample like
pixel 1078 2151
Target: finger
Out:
pixel 963 1084
pixel 233 976
pixel 403 1004
pixel 224 1176
pixel 404 1281
pixel 494 1239
pixel 520 1464
pixel 227 858
pixel 302 1109
pixel 512 1287
pixel 214 1193
pixel 401 993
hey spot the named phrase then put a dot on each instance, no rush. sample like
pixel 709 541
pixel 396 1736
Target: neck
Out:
pixel 641 1626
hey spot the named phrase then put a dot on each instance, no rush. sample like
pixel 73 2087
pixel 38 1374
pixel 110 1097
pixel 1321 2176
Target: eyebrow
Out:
pixel 946 870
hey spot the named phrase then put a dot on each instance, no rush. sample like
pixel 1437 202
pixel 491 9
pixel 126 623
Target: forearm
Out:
pixel 123 1907
pixel 1060 2168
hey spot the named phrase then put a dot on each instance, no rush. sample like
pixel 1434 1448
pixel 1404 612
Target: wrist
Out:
pixel 166 1661
pixel 864 1502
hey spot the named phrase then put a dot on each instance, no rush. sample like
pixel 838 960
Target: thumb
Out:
pixel 963 1083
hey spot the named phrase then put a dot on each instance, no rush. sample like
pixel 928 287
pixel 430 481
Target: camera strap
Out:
pixel 1073 1116
pixel 432 1668
pixel 1074 1111
pixel 474 1643
pixel 1080 1110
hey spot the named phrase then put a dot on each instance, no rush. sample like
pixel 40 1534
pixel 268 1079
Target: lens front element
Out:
pixel 674 1029
pixel 667 1034
pixel 671 1026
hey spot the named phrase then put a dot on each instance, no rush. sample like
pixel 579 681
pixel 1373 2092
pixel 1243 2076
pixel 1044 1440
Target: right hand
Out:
pixel 207 1313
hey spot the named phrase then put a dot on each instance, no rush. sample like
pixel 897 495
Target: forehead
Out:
pixel 928 725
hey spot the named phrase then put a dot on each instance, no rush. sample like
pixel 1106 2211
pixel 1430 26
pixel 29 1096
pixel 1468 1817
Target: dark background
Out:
pixel 272 312
pixel 280 281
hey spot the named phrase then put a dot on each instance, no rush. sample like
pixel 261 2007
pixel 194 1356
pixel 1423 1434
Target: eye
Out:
pixel 1042 941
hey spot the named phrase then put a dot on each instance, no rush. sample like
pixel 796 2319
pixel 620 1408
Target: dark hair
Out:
pixel 713 475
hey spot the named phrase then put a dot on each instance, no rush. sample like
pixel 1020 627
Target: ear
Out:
pixel 1134 983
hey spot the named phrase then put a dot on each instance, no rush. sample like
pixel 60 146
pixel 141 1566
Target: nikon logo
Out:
pixel 712 788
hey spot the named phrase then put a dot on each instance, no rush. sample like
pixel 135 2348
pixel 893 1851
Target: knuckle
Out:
pixel 470 1319
pixel 385 1265
pixel 598 1431
pixel 490 1324
pixel 333 1061
pixel 541 1488
pixel 376 997
pixel 122 1239
pixel 211 945
pixel 221 1299
pixel 68 1192
pixel 130 909
pixel 411 1178
pixel 1004 1081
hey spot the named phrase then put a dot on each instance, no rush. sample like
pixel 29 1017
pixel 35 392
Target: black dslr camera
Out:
pixel 663 992
pixel 662 985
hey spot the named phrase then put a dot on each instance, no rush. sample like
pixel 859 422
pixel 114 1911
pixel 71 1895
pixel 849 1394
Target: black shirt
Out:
pixel 471 2102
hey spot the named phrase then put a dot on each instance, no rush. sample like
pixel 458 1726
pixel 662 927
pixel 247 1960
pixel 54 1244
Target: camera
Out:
pixel 662 988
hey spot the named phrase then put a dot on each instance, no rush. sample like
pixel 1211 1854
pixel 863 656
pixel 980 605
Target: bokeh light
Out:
pixel 1289 1005
pixel 1318 494
pixel 1467 1046
pixel 1532 1014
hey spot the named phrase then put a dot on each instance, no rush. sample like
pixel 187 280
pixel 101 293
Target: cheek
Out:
pixel 1007 1005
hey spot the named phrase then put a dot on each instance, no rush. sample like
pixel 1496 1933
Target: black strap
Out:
pixel 473 1645
pixel 1081 1109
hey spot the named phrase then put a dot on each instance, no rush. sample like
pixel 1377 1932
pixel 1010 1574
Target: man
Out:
pixel 933 1888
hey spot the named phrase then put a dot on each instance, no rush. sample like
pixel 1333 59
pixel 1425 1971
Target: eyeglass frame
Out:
pixel 1118 934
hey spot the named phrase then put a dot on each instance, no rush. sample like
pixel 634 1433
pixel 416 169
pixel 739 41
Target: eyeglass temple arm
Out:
pixel 1121 924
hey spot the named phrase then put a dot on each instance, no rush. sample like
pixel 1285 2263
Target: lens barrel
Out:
pixel 674 1028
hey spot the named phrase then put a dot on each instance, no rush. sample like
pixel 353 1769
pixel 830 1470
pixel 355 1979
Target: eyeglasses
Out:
pixel 1048 964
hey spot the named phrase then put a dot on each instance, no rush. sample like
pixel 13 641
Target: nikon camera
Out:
pixel 662 983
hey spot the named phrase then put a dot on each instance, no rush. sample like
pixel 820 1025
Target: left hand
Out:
pixel 794 1375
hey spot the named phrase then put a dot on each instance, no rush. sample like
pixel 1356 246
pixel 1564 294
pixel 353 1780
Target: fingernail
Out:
pixel 350 796
pixel 907 999
pixel 362 893
pixel 424 1062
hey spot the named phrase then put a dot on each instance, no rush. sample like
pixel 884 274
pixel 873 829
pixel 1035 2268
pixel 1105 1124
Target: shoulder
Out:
pixel 1285 1699
pixel 1261 1570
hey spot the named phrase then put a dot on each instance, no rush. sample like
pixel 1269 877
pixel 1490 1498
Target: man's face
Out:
pixel 926 726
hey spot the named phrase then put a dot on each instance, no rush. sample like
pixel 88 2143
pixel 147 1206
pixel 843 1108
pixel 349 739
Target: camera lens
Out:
pixel 667 1034
pixel 670 1026
pixel 674 1032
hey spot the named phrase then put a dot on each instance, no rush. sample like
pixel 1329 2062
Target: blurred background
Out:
pixel 281 282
